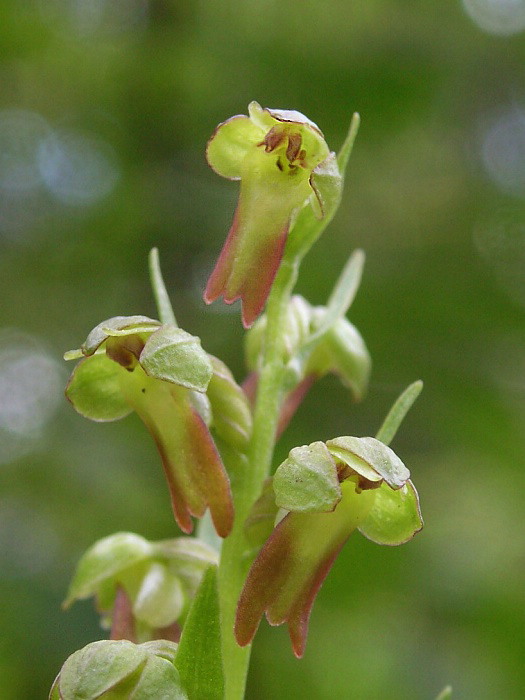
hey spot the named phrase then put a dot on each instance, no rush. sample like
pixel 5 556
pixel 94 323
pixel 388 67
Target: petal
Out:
pixel 175 356
pixel 307 482
pixel 104 560
pixel 117 323
pixel 229 144
pixel 370 458
pixel 395 516
pixel 254 247
pixel 160 598
pixel 94 389
pixel 291 567
pixel 193 468
pixel 245 271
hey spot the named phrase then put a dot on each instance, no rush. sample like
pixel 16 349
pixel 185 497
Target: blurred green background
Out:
pixel 105 109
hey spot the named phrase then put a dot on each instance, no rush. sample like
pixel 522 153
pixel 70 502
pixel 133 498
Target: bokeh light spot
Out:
pixel 21 132
pixel 86 18
pixel 77 168
pixel 30 389
pixel 504 17
pixel 503 151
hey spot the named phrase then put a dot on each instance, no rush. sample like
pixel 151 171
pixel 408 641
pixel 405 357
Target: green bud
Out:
pixel 117 670
pixel 341 351
pixel 159 578
pixel 231 414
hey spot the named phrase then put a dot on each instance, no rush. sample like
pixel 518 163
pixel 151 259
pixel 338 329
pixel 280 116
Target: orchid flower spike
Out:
pixel 276 155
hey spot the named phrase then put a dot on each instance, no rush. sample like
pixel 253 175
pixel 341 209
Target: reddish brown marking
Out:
pixel 123 624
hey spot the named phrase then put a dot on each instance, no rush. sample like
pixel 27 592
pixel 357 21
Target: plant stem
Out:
pixel 247 479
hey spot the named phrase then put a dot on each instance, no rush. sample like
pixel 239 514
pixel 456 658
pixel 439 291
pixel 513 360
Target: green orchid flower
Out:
pixel 277 155
pixel 321 494
pixel 143 590
pixel 162 373
pixel 324 492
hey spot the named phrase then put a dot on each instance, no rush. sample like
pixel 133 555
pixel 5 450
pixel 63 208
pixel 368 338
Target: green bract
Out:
pixel 282 161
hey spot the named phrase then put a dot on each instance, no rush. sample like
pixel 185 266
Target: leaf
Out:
pixel 103 560
pixel 307 481
pixel 160 293
pixel 94 389
pixel 199 656
pixel 395 516
pixel 398 412
pixel 175 356
pixel 99 667
pixel 232 417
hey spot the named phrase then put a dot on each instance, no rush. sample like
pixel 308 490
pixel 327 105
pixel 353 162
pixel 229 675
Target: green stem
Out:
pixel 247 479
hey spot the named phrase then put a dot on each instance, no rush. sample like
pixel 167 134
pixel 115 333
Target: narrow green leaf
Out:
pixel 445 694
pixel 398 412
pixel 160 293
pixel 199 656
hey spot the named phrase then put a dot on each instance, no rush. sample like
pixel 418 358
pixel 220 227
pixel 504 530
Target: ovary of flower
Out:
pixel 274 153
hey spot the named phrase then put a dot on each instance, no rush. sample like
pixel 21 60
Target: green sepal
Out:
pixel 231 414
pixel 94 389
pixel 112 326
pixel 172 355
pixel 199 656
pixel 229 145
pixel 96 669
pixel 158 680
pixel 371 459
pixel 307 482
pixel 160 599
pixel 104 560
pixel 395 516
